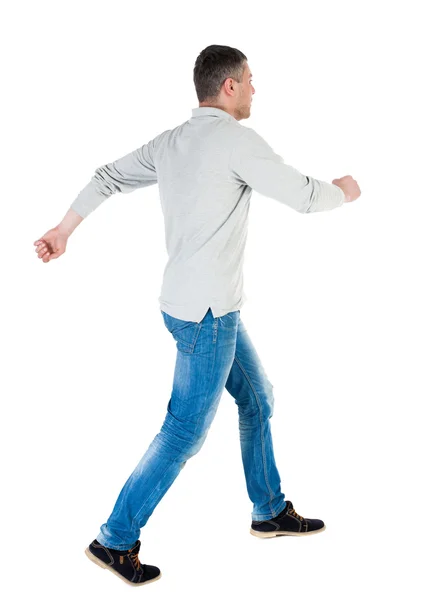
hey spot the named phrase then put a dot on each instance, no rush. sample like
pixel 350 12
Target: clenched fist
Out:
pixel 349 187
pixel 52 244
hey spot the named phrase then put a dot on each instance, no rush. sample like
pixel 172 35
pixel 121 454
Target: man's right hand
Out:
pixel 52 244
pixel 349 187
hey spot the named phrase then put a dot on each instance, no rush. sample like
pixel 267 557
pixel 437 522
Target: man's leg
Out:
pixel 253 393
pixel 205 353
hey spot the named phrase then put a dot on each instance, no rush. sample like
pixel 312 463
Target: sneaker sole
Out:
pixel 269 534
pixel 101 564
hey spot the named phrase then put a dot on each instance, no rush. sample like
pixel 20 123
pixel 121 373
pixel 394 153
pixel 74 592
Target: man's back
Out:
pixel 206 215
pixel 206 169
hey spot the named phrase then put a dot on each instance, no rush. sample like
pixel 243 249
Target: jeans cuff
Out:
pixel 99 538
pixel 277 511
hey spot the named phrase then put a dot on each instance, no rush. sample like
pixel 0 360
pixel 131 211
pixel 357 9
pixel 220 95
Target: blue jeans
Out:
pixel 214 354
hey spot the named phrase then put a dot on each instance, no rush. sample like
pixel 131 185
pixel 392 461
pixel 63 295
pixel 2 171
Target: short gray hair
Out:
pixel 213 66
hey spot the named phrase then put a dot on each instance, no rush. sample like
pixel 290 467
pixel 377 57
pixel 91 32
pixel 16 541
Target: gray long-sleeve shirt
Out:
pixel 206 169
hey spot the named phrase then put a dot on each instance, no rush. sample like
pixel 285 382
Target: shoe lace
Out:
pixel 294 513
pixel 135 557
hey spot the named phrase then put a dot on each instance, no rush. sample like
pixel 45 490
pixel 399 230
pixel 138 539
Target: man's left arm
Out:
pixel 126 174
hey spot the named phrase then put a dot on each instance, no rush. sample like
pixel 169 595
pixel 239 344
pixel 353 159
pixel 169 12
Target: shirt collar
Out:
pixel 202 111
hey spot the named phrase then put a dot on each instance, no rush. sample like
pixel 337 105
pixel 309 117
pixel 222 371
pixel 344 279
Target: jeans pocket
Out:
pixel 185 333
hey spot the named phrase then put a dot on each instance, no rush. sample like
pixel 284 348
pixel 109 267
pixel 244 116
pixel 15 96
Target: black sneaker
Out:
pixel 123 563
pixel 288 522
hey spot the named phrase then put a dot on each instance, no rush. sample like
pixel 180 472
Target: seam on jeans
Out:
pixel 211 373
pixel 196 427
pixel 172 462
pixel 152 491
pixel 262 436
pixel 215 330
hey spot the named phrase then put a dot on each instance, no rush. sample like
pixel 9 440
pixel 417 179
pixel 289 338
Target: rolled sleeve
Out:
pixel 126 174
pixel 257 165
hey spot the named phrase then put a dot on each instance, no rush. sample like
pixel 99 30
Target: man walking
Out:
pixel 206 169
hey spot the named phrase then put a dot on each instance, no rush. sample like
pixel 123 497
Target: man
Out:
pixel 206 169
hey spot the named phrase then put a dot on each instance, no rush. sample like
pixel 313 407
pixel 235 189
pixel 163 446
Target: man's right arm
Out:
pixel 257 165
pixel 70 222
pixel 126 174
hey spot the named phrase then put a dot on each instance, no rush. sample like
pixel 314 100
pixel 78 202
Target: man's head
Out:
pixel 223 79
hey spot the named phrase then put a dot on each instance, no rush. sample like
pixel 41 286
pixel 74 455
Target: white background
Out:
pixel 342 305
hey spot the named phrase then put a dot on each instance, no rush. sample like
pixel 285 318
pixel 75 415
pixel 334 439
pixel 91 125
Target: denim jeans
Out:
pixel 214 354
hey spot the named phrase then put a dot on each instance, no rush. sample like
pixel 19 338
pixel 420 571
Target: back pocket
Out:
pixel 185 333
